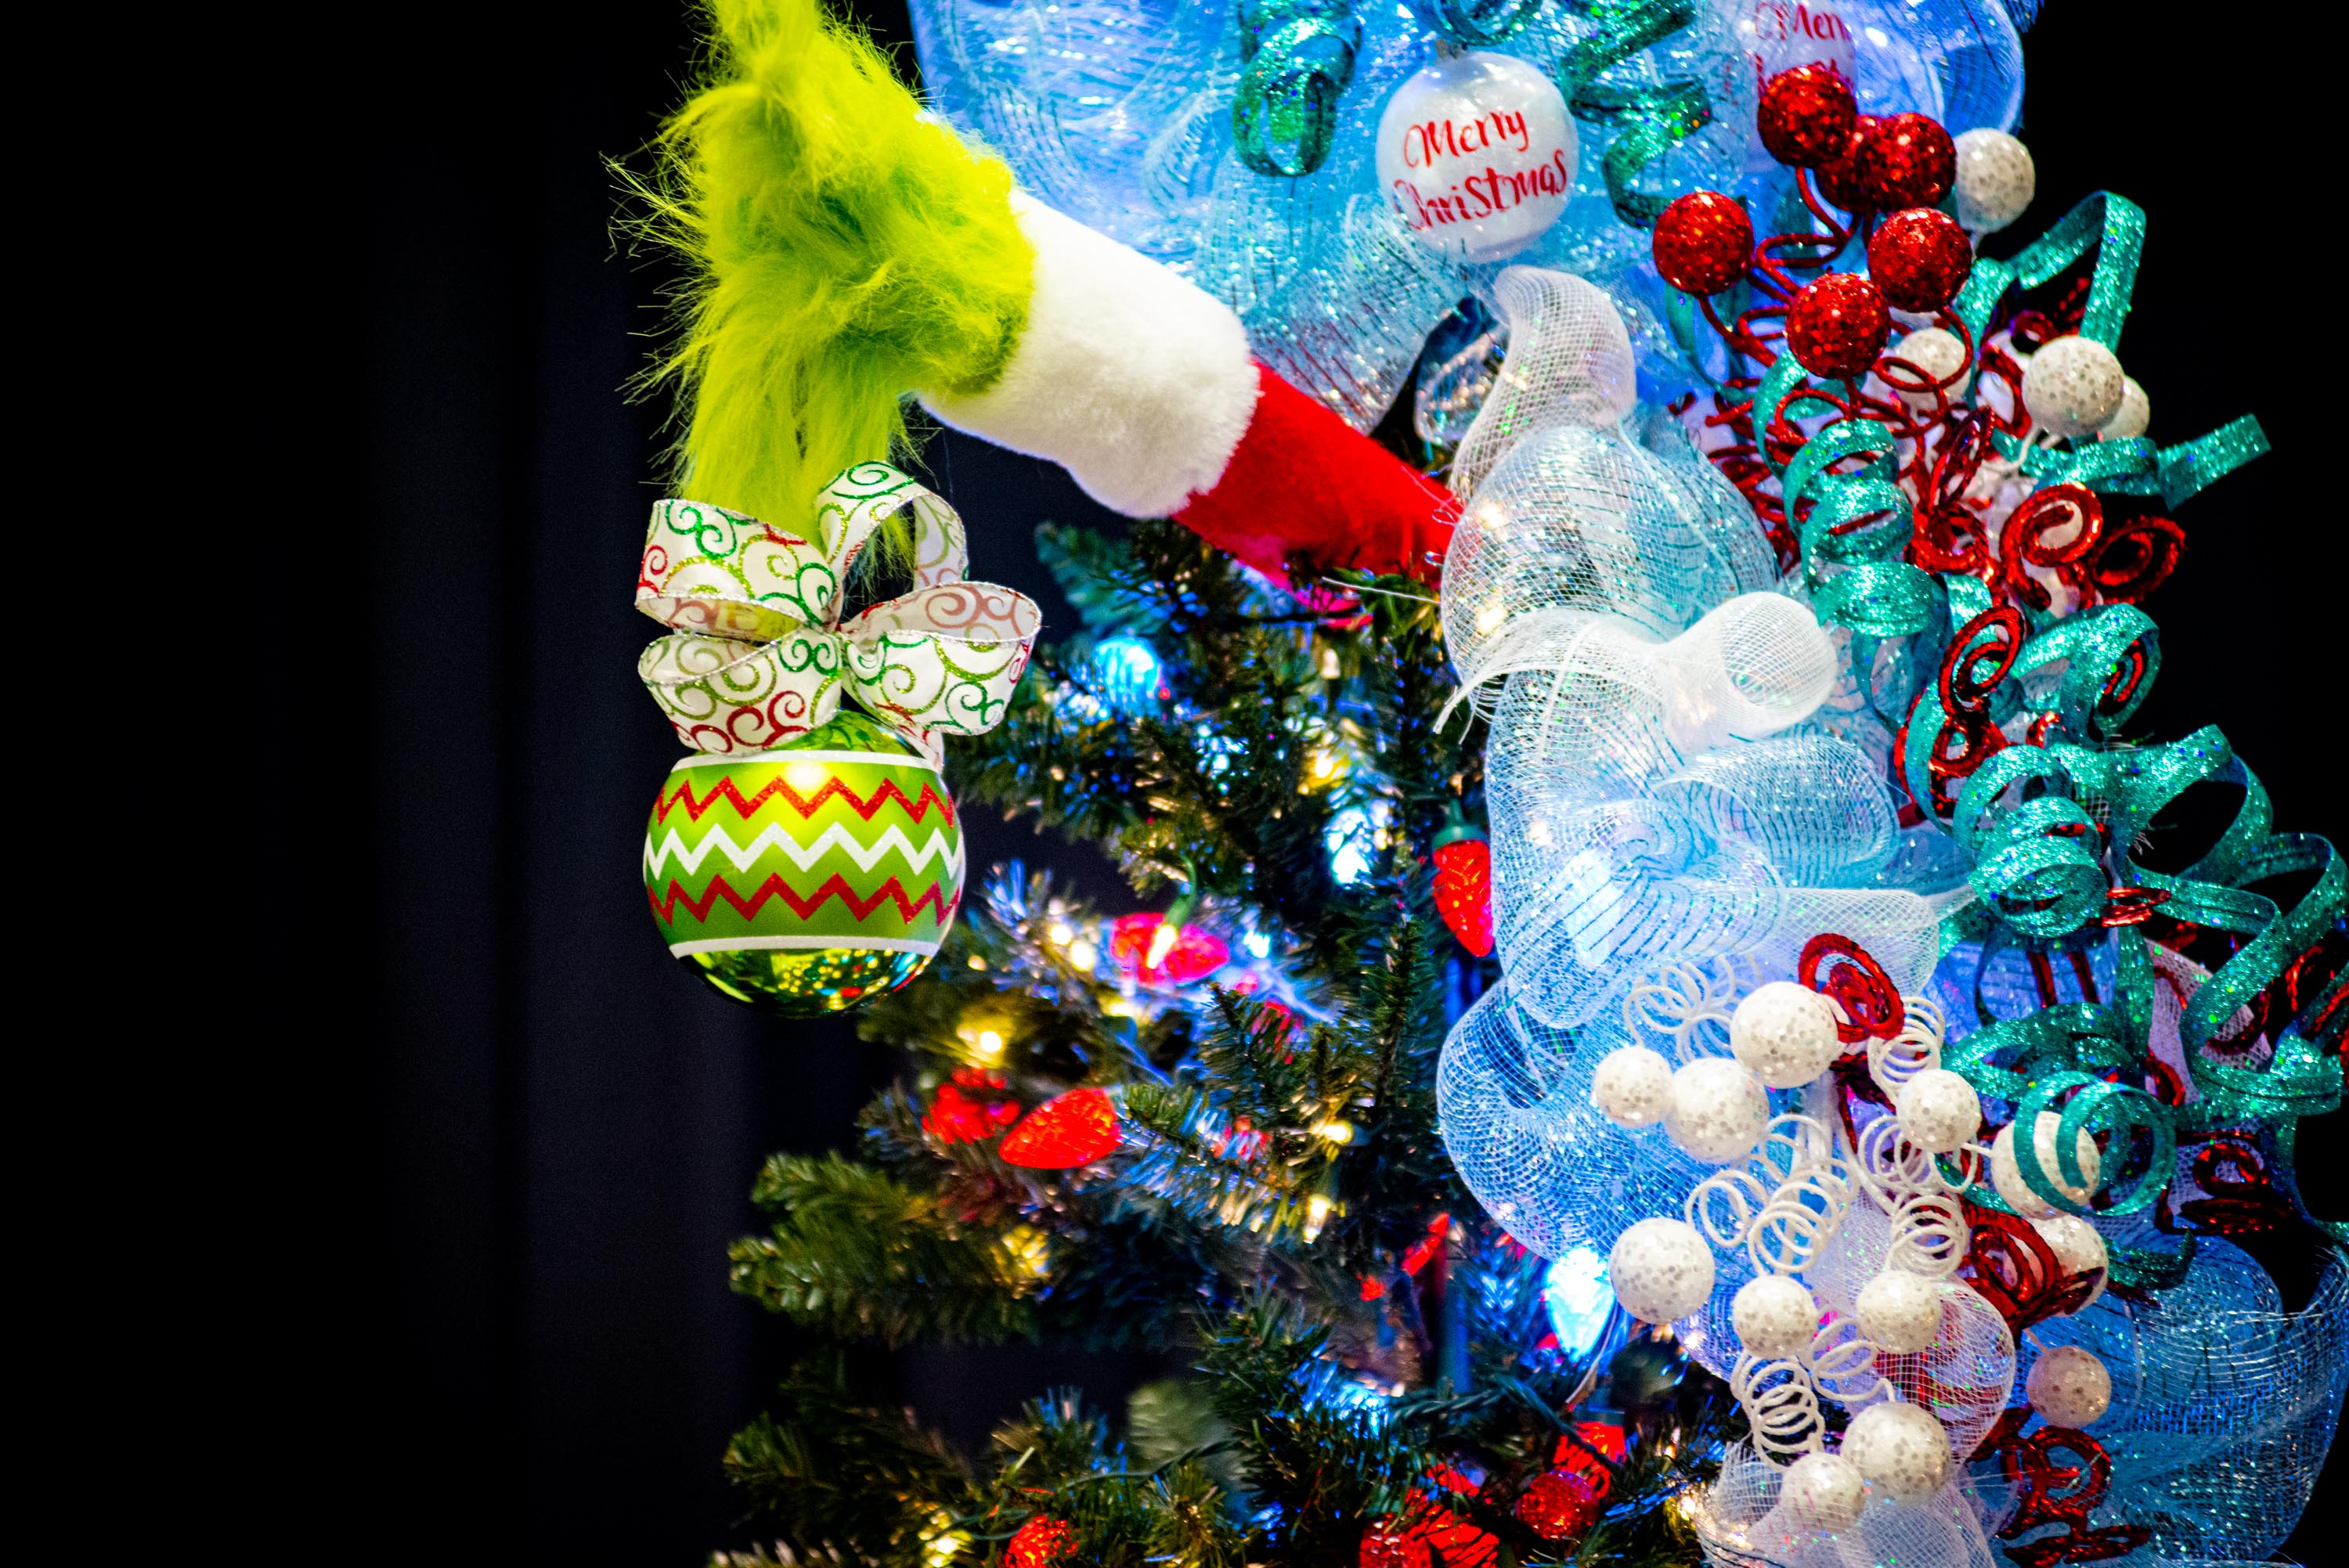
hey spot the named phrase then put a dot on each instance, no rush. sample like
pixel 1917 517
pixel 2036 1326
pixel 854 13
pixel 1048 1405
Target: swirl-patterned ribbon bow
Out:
pixel 758 655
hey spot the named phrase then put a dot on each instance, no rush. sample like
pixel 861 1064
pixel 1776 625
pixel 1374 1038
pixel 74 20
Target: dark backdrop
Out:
pixel 556 1129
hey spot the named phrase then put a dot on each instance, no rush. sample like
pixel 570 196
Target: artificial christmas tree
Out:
pixel 1825 1007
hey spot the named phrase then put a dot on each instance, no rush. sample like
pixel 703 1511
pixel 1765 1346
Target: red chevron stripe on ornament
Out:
pixel 665 908
pixel 804 805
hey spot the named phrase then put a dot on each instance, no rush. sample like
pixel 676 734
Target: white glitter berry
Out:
pixel 1937 355
pixel 1901 1450
pixel 1900 1311
pixel 1938 1110
pixel 2135 416
pixel 2006 1174
pixel 1823 1491
pixel 1661 1271
pixel 1774 1316
pixel 2068 1386
pixel 1785 1032
pixel 1633 1086
pixel 1719 1111
pixel 2077 1245
pixel 1995 180
pixel 2073 387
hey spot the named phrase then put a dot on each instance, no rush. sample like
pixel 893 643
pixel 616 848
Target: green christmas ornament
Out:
pixel 806 879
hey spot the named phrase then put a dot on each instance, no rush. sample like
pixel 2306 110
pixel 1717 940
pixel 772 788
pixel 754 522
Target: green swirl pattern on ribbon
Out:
pixel 1298 57
pixel 1650 118
pixel 760 655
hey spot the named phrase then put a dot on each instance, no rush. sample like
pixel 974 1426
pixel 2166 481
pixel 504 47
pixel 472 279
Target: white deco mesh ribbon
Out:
pixel 758 655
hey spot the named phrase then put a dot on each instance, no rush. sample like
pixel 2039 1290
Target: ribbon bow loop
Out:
pixel 758 655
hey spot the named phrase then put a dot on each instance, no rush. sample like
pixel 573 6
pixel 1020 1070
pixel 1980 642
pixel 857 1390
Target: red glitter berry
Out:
pixel 1838 177
pixel 1806 115
pixel 1908 161
pixel 1042 1543
pixel 1560 1504
pixel 1077 1128
pixel 1920 258
pixel 1836 325
pixel 1703 242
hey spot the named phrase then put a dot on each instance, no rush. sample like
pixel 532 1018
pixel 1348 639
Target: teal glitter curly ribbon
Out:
pixel 2135 466
pixel 1481 23
pixel 2113 226
pixel 1299 58
pixel 1652 118
pixel 2037 1062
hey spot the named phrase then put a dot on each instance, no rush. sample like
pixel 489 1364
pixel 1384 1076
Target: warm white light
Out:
pixel 1061 933
pixel 805 776
pixel 990 1044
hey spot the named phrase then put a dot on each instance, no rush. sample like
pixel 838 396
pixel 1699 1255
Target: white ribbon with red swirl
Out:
pixel 758 655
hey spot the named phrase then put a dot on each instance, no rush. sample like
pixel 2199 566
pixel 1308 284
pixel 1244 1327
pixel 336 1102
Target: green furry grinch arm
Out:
pixel 844 250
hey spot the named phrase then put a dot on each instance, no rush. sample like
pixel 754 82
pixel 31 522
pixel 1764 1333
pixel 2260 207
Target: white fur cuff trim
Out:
pixel 1137 382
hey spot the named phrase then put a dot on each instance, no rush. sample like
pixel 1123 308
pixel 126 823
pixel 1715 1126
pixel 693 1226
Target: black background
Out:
pixel 548 1131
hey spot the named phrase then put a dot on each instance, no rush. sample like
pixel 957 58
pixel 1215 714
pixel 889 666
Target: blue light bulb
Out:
pixel 1129 672
pixel 1580 1300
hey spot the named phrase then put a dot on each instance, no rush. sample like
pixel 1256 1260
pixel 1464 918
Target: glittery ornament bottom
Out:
pixel 803 983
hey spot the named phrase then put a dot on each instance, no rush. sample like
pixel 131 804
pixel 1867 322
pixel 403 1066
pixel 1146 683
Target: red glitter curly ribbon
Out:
pixel 2042 1497
pixel 1858 984
pixel 2010 1265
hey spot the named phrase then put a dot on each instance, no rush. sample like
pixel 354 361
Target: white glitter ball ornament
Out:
pixel 2006 1173
pixel 1938 1110
pixel 1633 1086
pixel 2073 387
pixel 1995 180
pixel 1823 1491
pixel 1661 1271
pixel 2135 416
pixel 1938 356
pixel 1785 1032
pixel 1901 1450
pixel 2079 1249
pixel 1900 1311
pixel 1719 1111
pixel 2068 1386
pixel 1774 1316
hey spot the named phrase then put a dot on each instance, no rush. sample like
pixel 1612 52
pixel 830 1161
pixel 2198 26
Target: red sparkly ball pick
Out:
pixel 1042 1543
pixel 1920 258
pixel 1560 1504
pixel 1836 325
pixel 1703 242
pixel 1077 1128
pixel 1908 161
pixel 1839 177
pixel 1806 115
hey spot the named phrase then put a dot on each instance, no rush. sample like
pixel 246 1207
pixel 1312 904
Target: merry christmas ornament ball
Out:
pixel 806 879
pixel 1900 1448
pixel 1785 1034
pixel 1824 1491
pixel 1633 1086
pixel 2069 1386
pixel 1661 1270
pixel 1476 155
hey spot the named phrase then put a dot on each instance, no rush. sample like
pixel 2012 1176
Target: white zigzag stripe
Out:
pixel 803 856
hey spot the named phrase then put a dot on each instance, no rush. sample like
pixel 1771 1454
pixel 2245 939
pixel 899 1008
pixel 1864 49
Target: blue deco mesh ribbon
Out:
pixel 1650 118
pixel 1298 57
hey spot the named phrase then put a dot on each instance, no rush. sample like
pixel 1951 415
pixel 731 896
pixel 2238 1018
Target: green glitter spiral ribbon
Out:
pixel 1298 57
pixel 1651 119
pixel 1481 23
